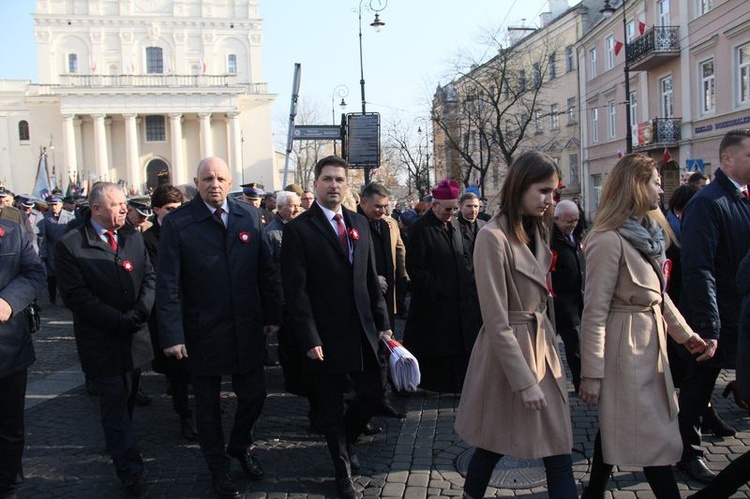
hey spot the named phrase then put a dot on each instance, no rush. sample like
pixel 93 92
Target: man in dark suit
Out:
pixel 715 238
pixel 337 311
pixel 568 279
pixel 216 290
pixel 106 279
pixel 21 279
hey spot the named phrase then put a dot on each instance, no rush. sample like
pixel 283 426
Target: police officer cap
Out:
pixel 253 190
pixel 141 205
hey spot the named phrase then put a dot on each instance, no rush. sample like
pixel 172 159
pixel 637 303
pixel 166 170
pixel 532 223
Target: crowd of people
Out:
pixel 647 302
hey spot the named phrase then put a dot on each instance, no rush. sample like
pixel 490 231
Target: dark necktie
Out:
pixel 217 216
pixel 111 239
pixel 375 224
pixel 341 231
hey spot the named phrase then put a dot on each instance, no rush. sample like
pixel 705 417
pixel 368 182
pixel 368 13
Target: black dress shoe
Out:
pixel 187 428
pixel 372 429
pixel 697 469
pixel 224 485
pixel 346 488
pixel 134 485
pixel 712 423
pixel 353 461
pixel 386 409
pixel 249 464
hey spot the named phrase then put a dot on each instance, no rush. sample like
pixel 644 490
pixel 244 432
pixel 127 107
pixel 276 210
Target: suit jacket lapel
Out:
pixel 96 241
pixel 320 221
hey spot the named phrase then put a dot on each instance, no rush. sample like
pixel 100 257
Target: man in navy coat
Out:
pixel 217 295
pixel 22 277
pixel 106 279
pixel 715 238
pixel 337 311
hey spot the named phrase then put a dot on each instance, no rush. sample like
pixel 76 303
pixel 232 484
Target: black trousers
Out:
pixel 250 389
pixel 343 428
pixel 731 478
pixel 12 395
pixel 660 478
pixel 570 336
pixel 116 401
pixel 695 394
pixel 178 387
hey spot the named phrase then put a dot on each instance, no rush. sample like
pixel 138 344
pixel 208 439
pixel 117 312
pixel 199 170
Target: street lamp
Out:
pixel 375 6
pixel 339 91
pixel 426 172
pixel 608 11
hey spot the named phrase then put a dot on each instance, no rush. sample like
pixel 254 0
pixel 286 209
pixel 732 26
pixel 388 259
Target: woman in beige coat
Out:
pixel 626 317
pixel 514 398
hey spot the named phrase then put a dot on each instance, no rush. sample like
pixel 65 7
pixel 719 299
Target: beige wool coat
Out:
pixel 626 318
pixel 516 348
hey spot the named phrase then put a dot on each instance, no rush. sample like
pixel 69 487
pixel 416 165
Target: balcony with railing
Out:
pixel 653 48
pixel 656 133
pixel 157 83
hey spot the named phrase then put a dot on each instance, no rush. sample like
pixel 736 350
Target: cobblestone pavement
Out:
pixel 414 458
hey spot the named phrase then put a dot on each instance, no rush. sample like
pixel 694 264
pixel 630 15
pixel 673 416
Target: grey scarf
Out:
pixel 648 239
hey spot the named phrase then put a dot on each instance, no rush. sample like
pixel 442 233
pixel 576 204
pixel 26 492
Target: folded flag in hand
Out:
pixel 403 367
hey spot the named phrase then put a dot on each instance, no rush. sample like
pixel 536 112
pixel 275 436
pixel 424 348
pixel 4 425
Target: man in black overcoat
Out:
pixel 715 238
pixel 444 316
pixel 216 297
pixel 337 311
pixel 106 279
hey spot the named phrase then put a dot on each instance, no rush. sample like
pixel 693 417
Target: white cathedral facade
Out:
pixel 139 91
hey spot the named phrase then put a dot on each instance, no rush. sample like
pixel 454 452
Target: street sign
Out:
pixel 363 140
pixel 317 132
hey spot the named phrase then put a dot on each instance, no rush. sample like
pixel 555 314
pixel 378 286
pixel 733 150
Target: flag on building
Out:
pixel 619 154
pixel 641 27
pixel 618 47
pixel 667 155
pixel 203 66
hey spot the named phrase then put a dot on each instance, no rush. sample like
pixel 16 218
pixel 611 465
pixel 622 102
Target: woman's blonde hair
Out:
pixel 625 194
pixel 527 169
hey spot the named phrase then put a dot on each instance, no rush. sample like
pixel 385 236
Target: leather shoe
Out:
pixel 134 485
pixel 346 488
pixel 386 409
pixel 224 485
pixel 187 428
pixel 249 464
pixel 712 423
pixel 697 469
pixel 354 461
pixel 372 429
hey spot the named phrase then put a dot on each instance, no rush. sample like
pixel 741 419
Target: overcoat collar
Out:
pixel 201 212
pixel 95 241
pixel 727 185
pixel 322 223
pixel 535 267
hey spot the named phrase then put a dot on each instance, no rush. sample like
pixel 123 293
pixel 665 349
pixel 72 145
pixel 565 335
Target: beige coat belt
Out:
pixel 544 343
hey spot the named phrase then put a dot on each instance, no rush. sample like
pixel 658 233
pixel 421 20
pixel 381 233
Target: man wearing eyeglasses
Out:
pixel 442 324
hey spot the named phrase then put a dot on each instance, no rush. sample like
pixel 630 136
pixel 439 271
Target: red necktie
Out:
pixel 341 230
pixel 217 214
pixel 746 193
pixel 111 239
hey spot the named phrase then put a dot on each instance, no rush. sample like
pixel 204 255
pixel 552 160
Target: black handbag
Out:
pixel 32 315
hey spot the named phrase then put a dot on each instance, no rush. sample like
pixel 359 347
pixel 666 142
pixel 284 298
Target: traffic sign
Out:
pixel 317 132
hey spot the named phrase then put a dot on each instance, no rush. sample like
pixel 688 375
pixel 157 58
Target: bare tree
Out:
pixel 407 149
pixel 489 111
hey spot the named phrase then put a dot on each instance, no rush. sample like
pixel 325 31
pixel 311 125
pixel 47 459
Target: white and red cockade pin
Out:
pixel 2 232
pixel 128 266
pixel 245 237
pixel 354 234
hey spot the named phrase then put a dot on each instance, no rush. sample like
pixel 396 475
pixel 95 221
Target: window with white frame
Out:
pixel 154 60
pixel 630 31
pixel 743 74
pixel 570 110
pixel 538 126
pixel 592 63
pixel 156 130
pixel 554 117
pixel 705 6
pixel 573 163
pixel 708 86
pixel 662 12
pixel 72 63
pixel 595 125
pixel 633 103
pixel 232 64
pixel 610 56
pixel 596 184
pixel 667 97
pixel 551 68
pixel 569 59
pixel 612 119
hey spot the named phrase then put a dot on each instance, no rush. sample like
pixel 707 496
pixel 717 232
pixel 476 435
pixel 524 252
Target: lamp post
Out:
pixel 375 6
pixel 339 91
pixel 423 179
pixel 608 11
